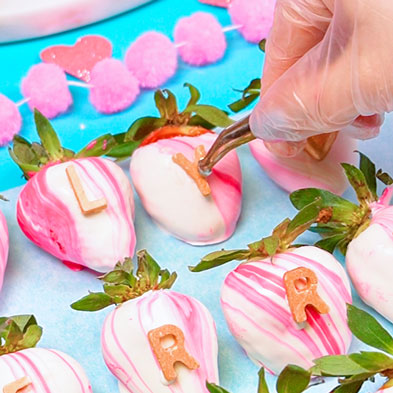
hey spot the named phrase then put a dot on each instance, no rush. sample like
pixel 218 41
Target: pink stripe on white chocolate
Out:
pixel 4 245
pixel 256 309
pixel 303 171
pixel 128 354
pixel 50 371
pixel 172 198
pixel 49 214
pixel 369 261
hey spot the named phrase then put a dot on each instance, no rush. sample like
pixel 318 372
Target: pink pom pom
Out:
pixel 46 87
pixel 203 38
pixel 114 88
pixel 10 120
pixel 152 58
pixel 255 16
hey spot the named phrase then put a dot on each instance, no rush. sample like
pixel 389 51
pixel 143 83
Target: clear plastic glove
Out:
pixel 329 67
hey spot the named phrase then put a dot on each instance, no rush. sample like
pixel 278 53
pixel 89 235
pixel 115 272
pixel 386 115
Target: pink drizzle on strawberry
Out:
pixel 255 306
pixel 49 215
pixel 4 245
pixel 130 357
pixel 50 371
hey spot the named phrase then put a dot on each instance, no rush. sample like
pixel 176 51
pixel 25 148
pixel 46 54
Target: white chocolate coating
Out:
pixel 4 245
pixel 50 371
pixel 128 354
pixel 303 171
pixel 255 306
pixel 49 214
pixel 173 199
pixel 369 262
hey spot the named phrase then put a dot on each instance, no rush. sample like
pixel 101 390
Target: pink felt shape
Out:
pixel 255 17
pixel 78 60
pixel 152 58
pixel 10 120
pixel 203 39
pixel 46 87
pixel 114 88
pixel 217 3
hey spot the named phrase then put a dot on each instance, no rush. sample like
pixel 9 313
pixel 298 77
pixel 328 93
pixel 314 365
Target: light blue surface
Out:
pixel 37 283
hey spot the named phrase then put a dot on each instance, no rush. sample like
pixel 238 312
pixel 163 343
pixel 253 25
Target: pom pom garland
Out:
pixel 255 17
pixel 10 120
pixel 149 62
pixel 114 88
pixel 46 87
pixel 152 58
pixel 203 38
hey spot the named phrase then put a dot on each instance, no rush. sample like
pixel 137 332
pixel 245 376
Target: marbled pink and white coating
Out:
pixel 50 371
pixel 49 214
pixel 255 306
pixel 4 245
pixel 128 354
pixel 302 171
pixel 173 199
pixel 369 259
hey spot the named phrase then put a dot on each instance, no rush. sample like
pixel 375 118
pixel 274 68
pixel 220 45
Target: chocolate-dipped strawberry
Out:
pixel 4 245
pixel 24 368
pixel 76 206
pixel 285 304
pixel 136 336
pixel 164 171
pixel 317 165
pixel 363 232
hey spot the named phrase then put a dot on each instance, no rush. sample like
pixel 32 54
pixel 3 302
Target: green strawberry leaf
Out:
pixel 95 301
pixel 211 114
pixel 342 210
pixel 330 243
pixel 194 93
pixel 353 387
pixel 99 147
pixel 336 366
pixel 262 45
pixel 372 361
pixel 262 385
pixel 293 379
pixel 48 136
pixel 121 285
pixel 249 95
pixel 367 329
pixel 369 172
pixel 142 127
pixel 166 104
pixel 213 388
pixel 384 177
pixel 359 183
pixel 18 332
pixel 218 258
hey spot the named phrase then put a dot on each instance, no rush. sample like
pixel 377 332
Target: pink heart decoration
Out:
pixel 78 60
pixel 217 3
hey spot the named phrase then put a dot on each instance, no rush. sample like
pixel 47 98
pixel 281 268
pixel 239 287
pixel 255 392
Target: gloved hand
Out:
pixel 328 67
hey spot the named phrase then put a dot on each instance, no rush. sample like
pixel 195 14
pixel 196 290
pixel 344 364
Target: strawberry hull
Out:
pixel 49 371
pixel 173 199
pixel 255 306
pixel 49 214
pixel 129 356
pixel 4 245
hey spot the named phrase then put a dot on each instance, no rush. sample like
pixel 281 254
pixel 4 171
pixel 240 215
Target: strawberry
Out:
pixel 168 193
pixel 318 165
pixel 257 309
pixel 35 369
pixel 3 246
pixel 362 232
pixel 48 209
pixel 144 302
